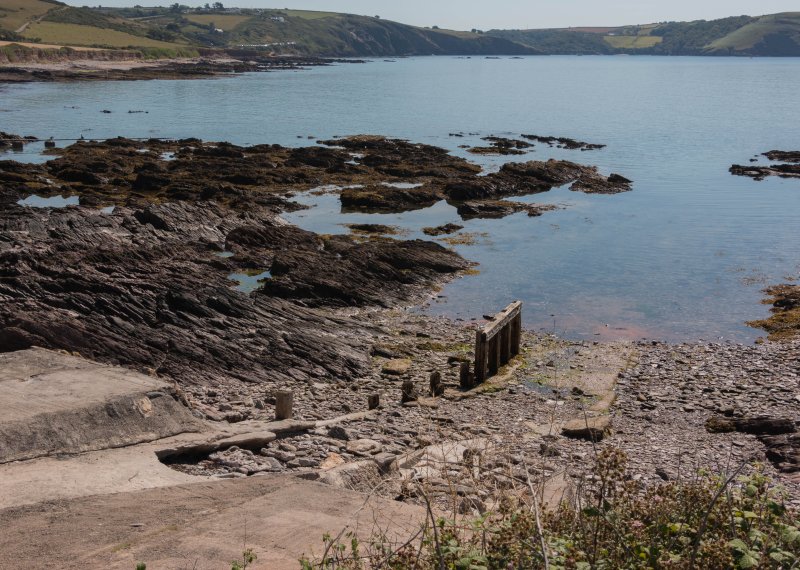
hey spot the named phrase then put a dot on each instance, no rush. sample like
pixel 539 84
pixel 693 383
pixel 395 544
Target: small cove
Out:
pixel 683 256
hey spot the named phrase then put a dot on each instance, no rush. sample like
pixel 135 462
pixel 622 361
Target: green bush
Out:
pixel 710 522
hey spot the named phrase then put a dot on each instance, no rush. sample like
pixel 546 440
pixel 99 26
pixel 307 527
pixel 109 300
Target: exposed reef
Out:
pixel 375 174
pixel 374 229
pixel 7 140
pixel 500 209
pixel 790 168
pixel 502 146
pixel 145 286
pixel 783 156
pixel 148 284
pixel 564 142
pixel 442 230
pixel 138 70
pixel 785 320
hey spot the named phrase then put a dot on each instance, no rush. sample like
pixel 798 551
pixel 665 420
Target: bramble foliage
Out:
pixel 710 522
pixel 248 558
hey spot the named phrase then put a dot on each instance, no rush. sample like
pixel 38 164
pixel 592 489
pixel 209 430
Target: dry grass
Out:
pixel 225 22
pixel 309 14
pixel 75 34
pixel 458 33
pixel 45 46
pixel 633 42
pixel 14 13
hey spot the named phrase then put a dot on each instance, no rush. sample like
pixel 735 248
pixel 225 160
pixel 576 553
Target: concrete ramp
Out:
pixel 202 525
pixel 54 404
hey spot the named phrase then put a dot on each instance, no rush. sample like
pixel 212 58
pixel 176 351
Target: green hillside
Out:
pixel 178 28
pixel 772 35
pixel 284 31
pixel 777 34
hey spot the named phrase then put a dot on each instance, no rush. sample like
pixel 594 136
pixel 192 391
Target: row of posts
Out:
pixel 495 345
pixel 284 399
pixel 19 144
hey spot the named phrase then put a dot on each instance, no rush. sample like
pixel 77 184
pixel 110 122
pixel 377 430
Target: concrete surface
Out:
pixel 203 525
pixel 54 403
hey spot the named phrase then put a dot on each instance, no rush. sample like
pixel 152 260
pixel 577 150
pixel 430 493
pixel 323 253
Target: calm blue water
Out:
pixel 248 282
pixel 683 256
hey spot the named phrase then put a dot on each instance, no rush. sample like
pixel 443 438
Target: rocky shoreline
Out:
pixel 140 274
pixel 789 167
pixel 137 69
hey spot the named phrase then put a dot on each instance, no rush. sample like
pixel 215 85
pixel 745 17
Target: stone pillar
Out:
pixel 284 400
pixel 437 388
pixel 374 401
pixel 409 392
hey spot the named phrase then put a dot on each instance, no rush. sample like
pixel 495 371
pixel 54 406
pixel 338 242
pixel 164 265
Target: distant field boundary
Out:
pixel 31 45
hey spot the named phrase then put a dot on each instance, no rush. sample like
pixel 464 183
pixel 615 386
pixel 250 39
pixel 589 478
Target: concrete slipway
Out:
pixel 81 483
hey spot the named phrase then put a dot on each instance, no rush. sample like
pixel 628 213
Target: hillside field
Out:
pixel 331 34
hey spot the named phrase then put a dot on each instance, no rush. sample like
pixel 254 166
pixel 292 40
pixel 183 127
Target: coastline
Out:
pixel 147 286
pixel 110 65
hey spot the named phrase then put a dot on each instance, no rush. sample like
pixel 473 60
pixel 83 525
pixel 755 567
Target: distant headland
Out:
pixel 30 27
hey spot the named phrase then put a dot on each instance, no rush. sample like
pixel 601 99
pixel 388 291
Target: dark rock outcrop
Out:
pixel 442 230
pixel 144 287
pixel 564 142
pixel 783 156
pixel 790 168
pixel 499 209
pixel 502 146
pixel 762 172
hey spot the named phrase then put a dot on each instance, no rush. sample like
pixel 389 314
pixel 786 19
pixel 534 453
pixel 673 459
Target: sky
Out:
pixel 509 14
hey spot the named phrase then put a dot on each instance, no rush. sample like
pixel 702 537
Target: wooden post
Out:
pixel 409 392
pixel 516 335
pixel 437 388
pixel 498 342
pixel 284 400
pixel 466 379
pixel 493 357
pixel 480 357
pixel 374 401
pixel 505 343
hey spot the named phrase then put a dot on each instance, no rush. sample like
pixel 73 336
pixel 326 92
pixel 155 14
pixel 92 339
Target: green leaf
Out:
pixel 747 561
pixel 464 564
pixel 791 534
pixel 775 508
pixel 781 557
pixel 739 546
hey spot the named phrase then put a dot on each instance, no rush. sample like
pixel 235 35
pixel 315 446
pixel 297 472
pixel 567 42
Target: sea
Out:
pixel 683 257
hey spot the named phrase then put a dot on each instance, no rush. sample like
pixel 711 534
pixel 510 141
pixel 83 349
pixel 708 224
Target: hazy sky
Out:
pixel 485 14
